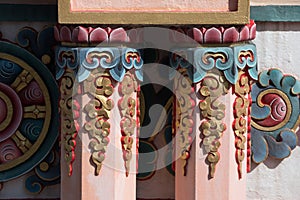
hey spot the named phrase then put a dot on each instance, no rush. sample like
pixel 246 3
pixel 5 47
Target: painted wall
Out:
pixel 15 189
pixel 278 46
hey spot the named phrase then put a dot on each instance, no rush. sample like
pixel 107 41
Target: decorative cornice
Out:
pixel 217 34
pixel 199 61
pixel 200 34
pixel 115 60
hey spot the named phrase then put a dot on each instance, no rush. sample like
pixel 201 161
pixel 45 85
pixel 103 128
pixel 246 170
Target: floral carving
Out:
pixel 127 106
pixel 212 87
pixel 202 35
pixel 99 87
pixel 241 114
pixel 215 35
pixel 90 35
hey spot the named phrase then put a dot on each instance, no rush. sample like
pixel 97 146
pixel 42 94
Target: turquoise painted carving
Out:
pixel 275 115
pixel 245 55
pixel 116 60
pixel 29 111
pixel 208 58
pixel 66 57
pixel 198 61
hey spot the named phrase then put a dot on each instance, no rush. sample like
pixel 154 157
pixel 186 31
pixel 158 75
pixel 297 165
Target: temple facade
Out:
pixel 180 100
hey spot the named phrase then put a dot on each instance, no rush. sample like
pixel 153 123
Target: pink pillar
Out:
pixel 211 135
pixel 99 122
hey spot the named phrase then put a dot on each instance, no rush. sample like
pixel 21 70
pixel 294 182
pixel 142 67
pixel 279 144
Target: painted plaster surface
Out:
pixel 154 5
pixel 275 180
pixel 15 189
pixel 275 2
pixel 277 46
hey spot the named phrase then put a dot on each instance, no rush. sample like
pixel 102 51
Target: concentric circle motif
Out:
pixel 28 114
pixel 11 111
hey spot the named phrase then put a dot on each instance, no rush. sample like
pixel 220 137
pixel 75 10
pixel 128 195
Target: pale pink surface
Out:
pixel 153 5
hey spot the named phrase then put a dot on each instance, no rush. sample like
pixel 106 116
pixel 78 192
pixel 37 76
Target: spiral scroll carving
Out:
pixel 184 115
pixel 275 115
pixel 99 87
pixel 212 87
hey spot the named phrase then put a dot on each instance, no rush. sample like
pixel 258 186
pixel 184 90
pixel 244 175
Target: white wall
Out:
pixel 278 45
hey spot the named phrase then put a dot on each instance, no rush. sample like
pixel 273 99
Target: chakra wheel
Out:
pixel 28 111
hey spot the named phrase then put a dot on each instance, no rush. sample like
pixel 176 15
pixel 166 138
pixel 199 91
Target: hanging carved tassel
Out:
pixel 212 87
pixel 127 106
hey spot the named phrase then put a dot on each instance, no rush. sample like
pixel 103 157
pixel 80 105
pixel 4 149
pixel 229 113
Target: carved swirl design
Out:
pixel 127 106
pixel 100 88
pixel 69 127
pixel 32 94
pixel 212 87
pixel 209 58
pixel 245 55
pixel 115 60
pixel 8 151
pixel 29 127
pixel 275 115
pixel 199 61
pixel 66 58
pixel 241 114
pixel 184 112
pixel 8 71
